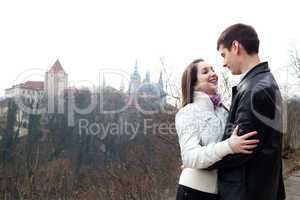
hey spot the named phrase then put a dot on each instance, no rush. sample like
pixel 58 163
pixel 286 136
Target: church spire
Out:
pixel 136 66
pixel 135 80
pixel 136 76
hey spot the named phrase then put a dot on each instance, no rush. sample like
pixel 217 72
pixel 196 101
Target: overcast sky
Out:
pixel 87 36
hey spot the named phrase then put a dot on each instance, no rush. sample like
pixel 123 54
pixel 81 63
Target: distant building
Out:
pixel 56 80
pixel 135 81
pixel 29 89
pixel 146 89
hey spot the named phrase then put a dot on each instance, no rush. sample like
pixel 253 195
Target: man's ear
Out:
pixel 235 47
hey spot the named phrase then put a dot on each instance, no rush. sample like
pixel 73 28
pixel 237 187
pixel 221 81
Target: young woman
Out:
pixel 200 125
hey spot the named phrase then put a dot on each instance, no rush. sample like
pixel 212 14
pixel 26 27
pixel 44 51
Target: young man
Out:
pixel 256 106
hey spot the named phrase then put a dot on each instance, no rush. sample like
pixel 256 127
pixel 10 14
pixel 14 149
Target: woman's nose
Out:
pixel 212 73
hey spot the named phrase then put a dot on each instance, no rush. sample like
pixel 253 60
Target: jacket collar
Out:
pixel 203 99
pixel 259 68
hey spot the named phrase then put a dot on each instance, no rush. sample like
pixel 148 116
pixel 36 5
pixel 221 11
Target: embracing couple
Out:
pixel 231 154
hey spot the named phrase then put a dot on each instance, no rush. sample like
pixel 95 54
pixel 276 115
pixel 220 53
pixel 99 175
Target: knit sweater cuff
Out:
pixel 223 148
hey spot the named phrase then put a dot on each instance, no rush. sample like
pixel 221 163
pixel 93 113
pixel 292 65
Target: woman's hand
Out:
pixel 241 144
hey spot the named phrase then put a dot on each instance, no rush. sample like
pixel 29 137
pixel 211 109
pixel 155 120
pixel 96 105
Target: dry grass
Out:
pixel 291 163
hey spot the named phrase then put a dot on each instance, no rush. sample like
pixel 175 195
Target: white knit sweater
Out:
pixel 200 128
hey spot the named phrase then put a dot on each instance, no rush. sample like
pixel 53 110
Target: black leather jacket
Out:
pixel 256 106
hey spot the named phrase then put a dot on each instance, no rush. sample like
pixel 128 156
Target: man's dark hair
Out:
pixel 244 34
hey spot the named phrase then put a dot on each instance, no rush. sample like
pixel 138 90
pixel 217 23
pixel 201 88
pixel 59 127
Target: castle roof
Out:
pixel 33 85
pixel 56 68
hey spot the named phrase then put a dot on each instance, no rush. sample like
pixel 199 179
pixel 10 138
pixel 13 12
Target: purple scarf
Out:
pixel 216 99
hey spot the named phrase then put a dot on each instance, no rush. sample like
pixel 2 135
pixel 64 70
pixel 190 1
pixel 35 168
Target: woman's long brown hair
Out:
pixel 188 81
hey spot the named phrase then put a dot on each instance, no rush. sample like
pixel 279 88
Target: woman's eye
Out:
pixel 204 72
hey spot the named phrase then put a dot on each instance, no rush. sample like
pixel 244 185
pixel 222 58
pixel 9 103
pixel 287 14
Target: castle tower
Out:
pixel 56 81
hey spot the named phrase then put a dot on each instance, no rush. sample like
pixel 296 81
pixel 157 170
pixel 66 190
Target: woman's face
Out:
pixel 207 79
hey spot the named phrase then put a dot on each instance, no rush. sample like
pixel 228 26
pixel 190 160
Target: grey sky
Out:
pixel 91 35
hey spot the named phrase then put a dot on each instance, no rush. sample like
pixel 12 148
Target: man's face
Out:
pixel 230 59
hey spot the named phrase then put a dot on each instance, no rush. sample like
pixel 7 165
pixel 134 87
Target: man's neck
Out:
pixel 250 62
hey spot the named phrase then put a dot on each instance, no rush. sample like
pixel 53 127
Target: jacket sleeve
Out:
pixel 192 153
pixel 254 107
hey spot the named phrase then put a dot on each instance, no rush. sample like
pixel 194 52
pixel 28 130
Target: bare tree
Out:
pixel 291 137
pixel 172 86
pixel 295 61
pixel 225 85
